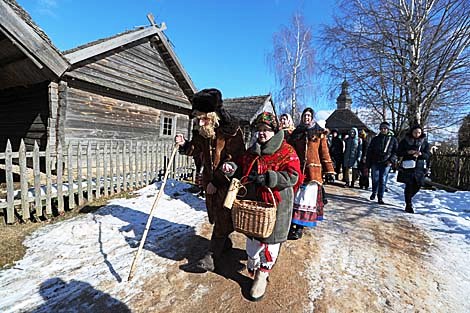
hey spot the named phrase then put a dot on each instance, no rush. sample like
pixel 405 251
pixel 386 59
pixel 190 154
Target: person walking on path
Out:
pixel 363 169
pixel 269 163
pixel 219 140
pixel 381 154
pixel 336 152
pixel 310 142
pixel 352 158
pixel 414 150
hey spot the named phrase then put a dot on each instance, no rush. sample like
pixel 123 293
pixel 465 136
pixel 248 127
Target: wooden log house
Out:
pixel 127 87
pixel 29 63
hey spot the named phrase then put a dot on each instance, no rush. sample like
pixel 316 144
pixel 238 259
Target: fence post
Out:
pixel 60 166
pixel 70 176
pixel 89 174
pixel 24 181
pixel 147 178
pixel 105 170
pixel 37 180
pixel 48 180
pixel 79 173
pixel 124 166
pixel 136 169
pixel 9 181
pixel 111 168
pixel 98 175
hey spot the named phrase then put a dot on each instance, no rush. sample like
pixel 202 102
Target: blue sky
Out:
pixel 221 44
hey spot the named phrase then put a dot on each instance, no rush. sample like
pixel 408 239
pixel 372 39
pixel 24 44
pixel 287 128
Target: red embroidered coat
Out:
pixel 278 161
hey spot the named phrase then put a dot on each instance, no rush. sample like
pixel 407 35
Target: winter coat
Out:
pixel 227 146
pixel 311 145
pixel 419 172
pixel 336 149
pixel 281 166
pixel 352 151
pixel 382 149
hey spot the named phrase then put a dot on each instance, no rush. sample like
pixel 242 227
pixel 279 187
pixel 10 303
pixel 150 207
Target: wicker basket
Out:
pixel 254 218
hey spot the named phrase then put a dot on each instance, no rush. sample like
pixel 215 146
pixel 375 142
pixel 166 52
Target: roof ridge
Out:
pixel 246 97
pixel 100 40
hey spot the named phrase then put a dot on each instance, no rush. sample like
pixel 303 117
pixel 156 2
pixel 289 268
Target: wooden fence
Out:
pixel 451 168
pixel 41 184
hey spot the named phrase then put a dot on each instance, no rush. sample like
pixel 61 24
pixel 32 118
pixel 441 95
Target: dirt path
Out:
pixel 362 258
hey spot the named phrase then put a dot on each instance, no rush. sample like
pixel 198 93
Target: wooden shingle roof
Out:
pixel 27 55
pixel 247 108
pixel 158 38
pixel 343 120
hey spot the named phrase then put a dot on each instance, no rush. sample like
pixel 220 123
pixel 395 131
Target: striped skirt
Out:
pixel 308 205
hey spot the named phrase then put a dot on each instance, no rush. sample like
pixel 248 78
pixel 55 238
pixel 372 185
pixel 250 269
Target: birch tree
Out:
pixel 292 60
pixel 408 59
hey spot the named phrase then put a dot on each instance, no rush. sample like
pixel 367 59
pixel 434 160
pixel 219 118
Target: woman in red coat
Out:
pixel 270 164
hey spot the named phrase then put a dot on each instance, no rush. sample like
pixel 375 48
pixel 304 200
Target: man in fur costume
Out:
pixel 311 144
pixel 219 140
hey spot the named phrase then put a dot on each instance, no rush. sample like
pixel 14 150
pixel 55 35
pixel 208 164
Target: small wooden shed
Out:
pixel 246 109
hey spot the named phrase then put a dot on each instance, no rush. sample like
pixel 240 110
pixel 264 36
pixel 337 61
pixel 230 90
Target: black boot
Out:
pixel 217 247
pixel 207 262
pixel 409 208
pixel 227 245
pixel 296 233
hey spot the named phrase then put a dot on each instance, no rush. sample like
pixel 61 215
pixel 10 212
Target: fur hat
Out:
pixel 207 100
pixel 269 119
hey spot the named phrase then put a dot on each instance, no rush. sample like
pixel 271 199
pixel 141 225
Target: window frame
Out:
pixel 173 119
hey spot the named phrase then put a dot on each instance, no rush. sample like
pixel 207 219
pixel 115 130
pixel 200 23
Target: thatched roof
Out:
pixel 247 108
pixel 343 120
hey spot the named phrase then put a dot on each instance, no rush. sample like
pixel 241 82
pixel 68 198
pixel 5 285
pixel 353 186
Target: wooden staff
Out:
pixel 149 220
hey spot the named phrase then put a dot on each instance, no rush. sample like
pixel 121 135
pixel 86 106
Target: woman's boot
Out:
pixel 259 285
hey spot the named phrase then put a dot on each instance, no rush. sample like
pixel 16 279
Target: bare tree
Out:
pixel 408 59
pixel 292 59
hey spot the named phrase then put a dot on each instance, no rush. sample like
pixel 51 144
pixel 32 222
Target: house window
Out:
pixel 168 125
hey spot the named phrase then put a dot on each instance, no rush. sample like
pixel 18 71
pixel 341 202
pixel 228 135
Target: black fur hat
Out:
pixel 207 100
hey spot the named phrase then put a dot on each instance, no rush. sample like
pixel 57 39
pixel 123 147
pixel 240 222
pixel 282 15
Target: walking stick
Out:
pixel 149 220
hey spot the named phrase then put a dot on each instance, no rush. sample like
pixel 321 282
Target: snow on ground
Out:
pixel 95 251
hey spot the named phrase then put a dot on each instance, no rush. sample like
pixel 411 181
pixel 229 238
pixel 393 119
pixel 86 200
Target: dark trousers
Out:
pixel 411 189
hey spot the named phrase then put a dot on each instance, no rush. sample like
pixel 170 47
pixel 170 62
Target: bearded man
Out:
pixel 218 140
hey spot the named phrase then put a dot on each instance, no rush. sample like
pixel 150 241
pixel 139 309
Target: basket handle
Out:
pixel 272 195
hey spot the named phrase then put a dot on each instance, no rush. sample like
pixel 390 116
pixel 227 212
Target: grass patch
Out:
pixel 12 236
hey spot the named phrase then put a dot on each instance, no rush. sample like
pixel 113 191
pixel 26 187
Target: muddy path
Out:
pixel 362 258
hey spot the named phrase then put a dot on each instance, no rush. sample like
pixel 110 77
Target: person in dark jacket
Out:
pixel 218 140
pixel 363 169
pixel 414 149
pixel 269 163
pixel 352 158
pixel 336 152
pixel 381 154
